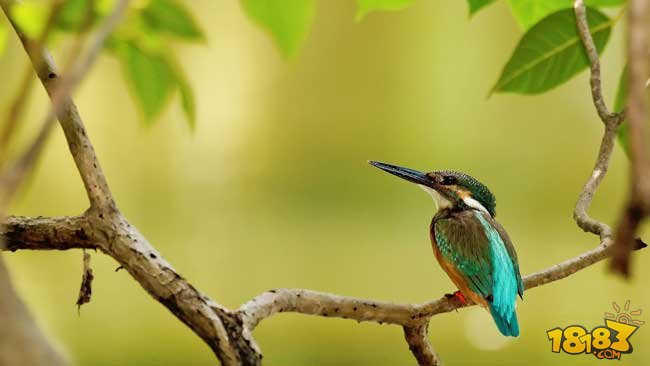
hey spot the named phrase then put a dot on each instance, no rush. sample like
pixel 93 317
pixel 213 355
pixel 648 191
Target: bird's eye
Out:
pixel 448 180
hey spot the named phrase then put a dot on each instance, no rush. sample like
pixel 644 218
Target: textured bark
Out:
pixel 228 332
pixel 418 341
pixel 167 285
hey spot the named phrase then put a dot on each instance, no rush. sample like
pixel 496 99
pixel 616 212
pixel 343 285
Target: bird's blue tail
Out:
pixel 507 323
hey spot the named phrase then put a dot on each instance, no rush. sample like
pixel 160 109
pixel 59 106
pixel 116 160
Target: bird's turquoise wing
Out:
pixel 462 242
pixel 513 256
pixel 471 241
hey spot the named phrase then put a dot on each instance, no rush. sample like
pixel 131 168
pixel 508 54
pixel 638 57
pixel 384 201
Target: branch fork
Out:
pixel 228 332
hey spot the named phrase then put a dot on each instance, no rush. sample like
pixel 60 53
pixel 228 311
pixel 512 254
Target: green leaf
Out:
pixel 76 15
pixel 366 6
pixel 150 76
pixel 619 105
pixel 186 94
pixel 476 5
pixel 31 17
pixel 529 12
pixel 169 16
pixel 551 53
pixel 187 102
pixel 287 21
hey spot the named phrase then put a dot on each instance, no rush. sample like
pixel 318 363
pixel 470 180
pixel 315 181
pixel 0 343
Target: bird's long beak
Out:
pixel 405 173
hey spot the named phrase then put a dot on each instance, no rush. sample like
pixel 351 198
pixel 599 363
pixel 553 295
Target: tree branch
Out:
pixel 594 63
pixel 228 332
pixel 42 233
pixel 418 340
pixel 105 226
pixel 24 233
pixel 611 122
pixel 60 91
pixel 638 202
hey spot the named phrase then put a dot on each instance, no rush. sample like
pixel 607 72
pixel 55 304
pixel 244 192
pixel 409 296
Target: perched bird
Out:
pixel 471 247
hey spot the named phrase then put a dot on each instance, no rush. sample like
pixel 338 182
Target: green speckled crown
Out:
pixel 479 191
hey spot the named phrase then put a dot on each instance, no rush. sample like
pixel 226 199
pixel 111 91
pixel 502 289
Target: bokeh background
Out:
pixel 272 189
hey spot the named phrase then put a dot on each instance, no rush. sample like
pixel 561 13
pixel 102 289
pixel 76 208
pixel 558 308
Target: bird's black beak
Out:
pixel 405 173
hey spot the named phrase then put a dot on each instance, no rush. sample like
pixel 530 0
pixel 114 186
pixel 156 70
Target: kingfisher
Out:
pixel 469 244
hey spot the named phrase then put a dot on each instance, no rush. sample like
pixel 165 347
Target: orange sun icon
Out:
pixel 625 317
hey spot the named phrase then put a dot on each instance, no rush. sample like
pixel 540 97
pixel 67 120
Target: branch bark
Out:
pixel 418 341
pixel 24 233
pixel 611 122
pixel 229 332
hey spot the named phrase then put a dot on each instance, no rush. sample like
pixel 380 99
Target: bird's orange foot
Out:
pixel 458 296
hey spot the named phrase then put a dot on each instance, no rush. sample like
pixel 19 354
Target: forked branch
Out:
pixel 229 332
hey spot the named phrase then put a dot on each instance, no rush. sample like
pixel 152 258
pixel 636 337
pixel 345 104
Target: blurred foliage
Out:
pixel 530 12
pixel 76 15
pixel 551 52
pixel 476 5
pixel 31 17
pixel 287 21
pixel 275 177
pixel 366 6
pixel 170 17
pixel 148 73
pixel 141 43
pixel 3 38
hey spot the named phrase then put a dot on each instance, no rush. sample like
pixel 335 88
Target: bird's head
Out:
pixel 449 189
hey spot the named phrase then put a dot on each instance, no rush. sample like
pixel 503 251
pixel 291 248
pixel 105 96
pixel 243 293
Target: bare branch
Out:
pixel 594 63
pixel 59 93
pixel 324 304
pixel 72 232
pixel 42 233
pixel 638 202
pixel 69 233
pixel 611 122
pixel 418 341
pixel 111 233
pixel 228 332
pixel 19 102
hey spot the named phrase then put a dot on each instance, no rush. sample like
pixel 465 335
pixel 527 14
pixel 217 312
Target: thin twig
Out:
pixel 611 122
pixel 594 63
pixel 21 98
pixel 226 331
pixel 60 93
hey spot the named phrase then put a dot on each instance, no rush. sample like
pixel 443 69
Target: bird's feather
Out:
pixel 512 254
pixel 462 242
pixel 472 243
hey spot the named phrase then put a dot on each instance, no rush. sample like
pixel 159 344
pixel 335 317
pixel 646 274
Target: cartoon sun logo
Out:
pixel 625 317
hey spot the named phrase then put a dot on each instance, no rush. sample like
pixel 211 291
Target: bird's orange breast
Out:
pixel 456 277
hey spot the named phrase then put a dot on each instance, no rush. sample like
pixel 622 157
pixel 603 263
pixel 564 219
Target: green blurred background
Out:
pixel 272 189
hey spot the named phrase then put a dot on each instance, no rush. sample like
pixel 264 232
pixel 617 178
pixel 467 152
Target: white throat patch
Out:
pixel 470 202
pixel 441 202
